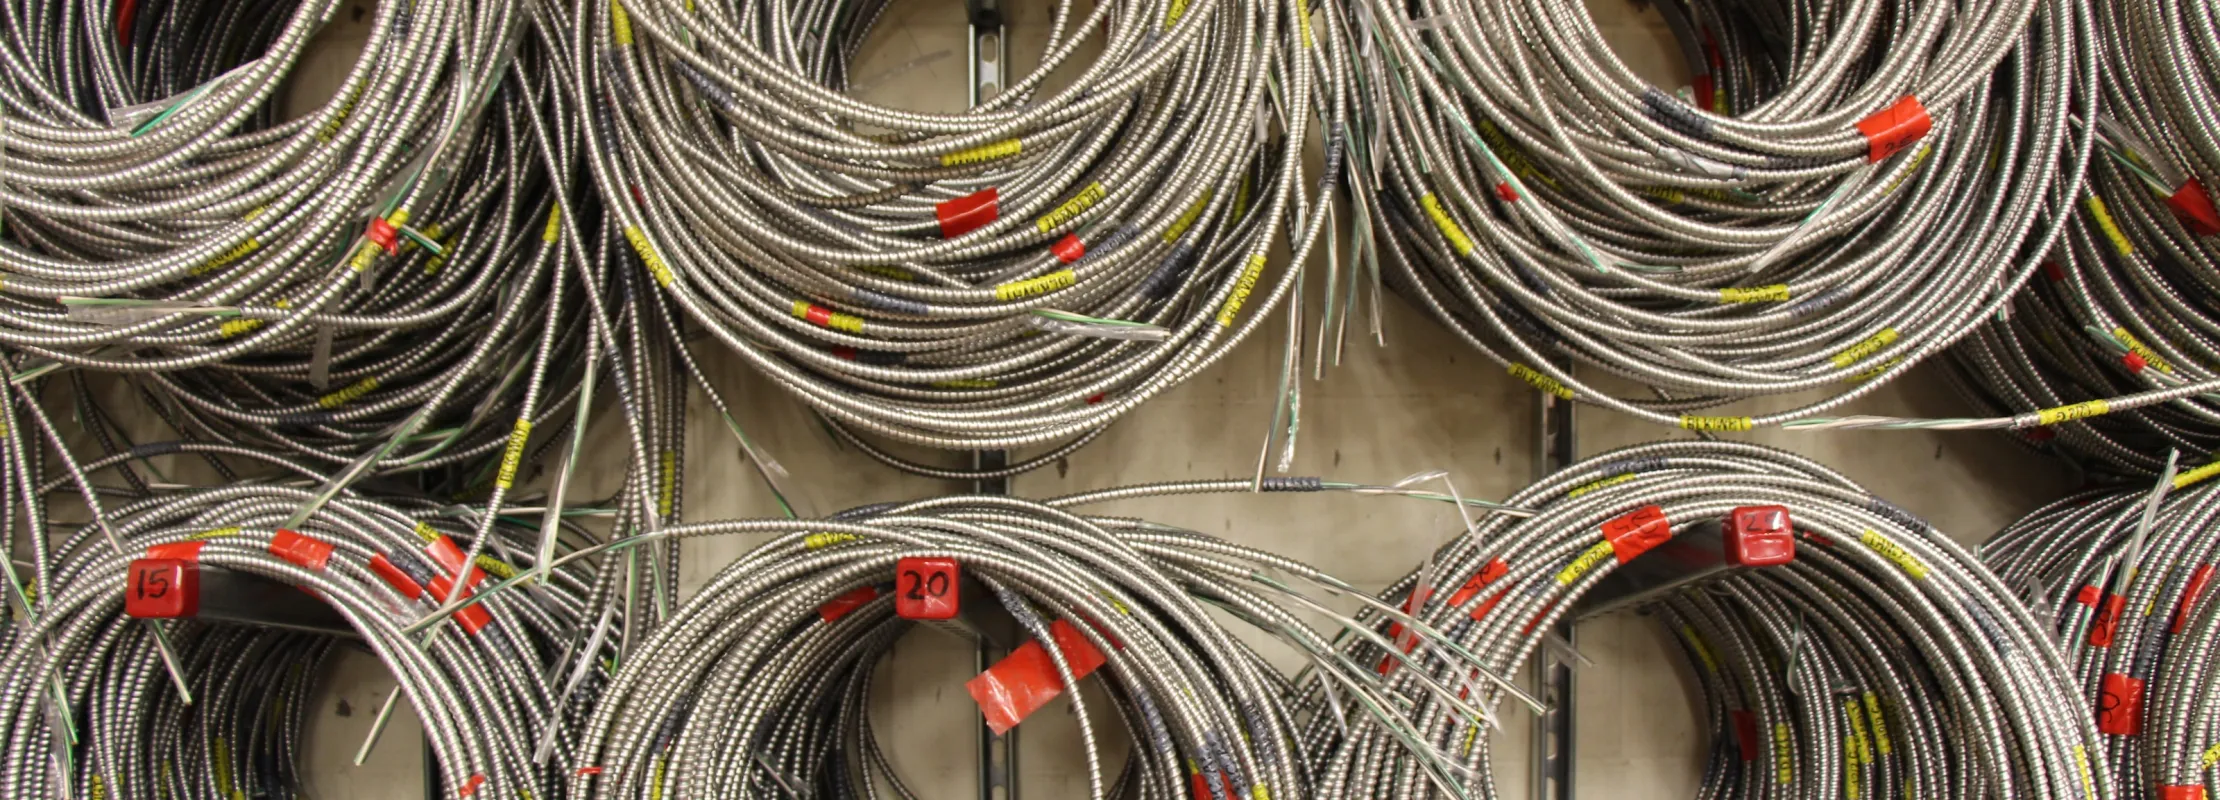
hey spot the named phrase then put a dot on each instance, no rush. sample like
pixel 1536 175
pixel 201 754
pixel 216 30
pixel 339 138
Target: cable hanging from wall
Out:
pixel 1839 643
pixel 1847 188
pixel 1022 273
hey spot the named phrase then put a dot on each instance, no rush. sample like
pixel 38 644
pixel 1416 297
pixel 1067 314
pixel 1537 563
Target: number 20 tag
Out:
pixel 926 588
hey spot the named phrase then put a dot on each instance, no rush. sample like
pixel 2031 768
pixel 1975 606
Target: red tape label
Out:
pixel 1745 733
pixel 394 577
pixel 2193 206
pixel 306 551
pixel 181 551
pixel 161 588
pixel 2120 705
pixel 1024 681
pixel 1069 248
pixel 384 235
pixel 2108 621
pixel 2196 792
pixel 2197 582
pixel 449 557
pixel 968 213
pixel 1894 128
pixel 847 603
pixel 927 588
pixel 2088 596
pixel 1637 531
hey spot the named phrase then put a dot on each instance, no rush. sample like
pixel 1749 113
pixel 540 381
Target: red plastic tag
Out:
pixel 394 577
pixel 1504 190
pixel 1760 536
pixel 161 588
pixel 384 235
pixel 1069 248
pixel 2197 582
pixel 2135 363
pixel 927 588
pixel 2120 705
pixel 1892 129
pixel 841 606
pixel 585 771
pixel 968 213
pixel 471 788
pixel 2196 792
pixel 449 557
pixel 1745 733
pixel 2193 206
pixel 2108 621
pixel 2088 596
pixel 1703 88
pixel 181 551
pixel 1637 531
pixel 306 551
pixel 1025 680
pixel 126 12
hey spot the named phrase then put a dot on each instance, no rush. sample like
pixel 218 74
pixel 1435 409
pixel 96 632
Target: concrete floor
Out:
pixel 1421 402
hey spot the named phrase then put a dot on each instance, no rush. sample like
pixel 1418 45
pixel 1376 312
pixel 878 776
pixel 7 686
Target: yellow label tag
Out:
pixel 219 751
pixel 1587 560
pixel 231 328
pixel 967 383
pixel 513 455
pixel 2212 756
pixel 2198 475
pixel 214 533
pixel 1599 484
pixel 1071 209
pixel 2092 408
pixel 1879 722
pixel 554 225
pixel 349 394
pixel 1776 293
pixel 654 262
pixel 1702 423
pixel 231 256
pixel 496 567
pixel 1865 349
pixel 1536 379
pixel 2143 351
pixel 1864 751
pixel 668 495
pixel 1909 168
pixel 982 153
pixel 1703 652
pixel 1895 553
pixel 1241 290
pixel 620 23
pixel 1179 9
pixel 1869 373
pixel 447 245
pixel 1784 756
pixel 426 532
pixel 820 541
pixel 830 319
pixel 1035 287
pixel 99 788
pixel 1187 218
pixel 2111 227
pixel 1850 769
pixel 1458 241
pixel 2088 779
pixel 1302 21
pixel 1512 155
pixel 364 257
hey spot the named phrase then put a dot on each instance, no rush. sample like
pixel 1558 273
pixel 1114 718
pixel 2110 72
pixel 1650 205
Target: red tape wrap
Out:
pixel 2197 582
pixel 1024 681
pixel 394 577
pixel 2108 621
pixel 847 603
pixel 306 551
pixel 968 213
pixel 449 557
pixel 2196 792
pixel 2120 705
pixel 1745 733
pixel 2193 206
pixel 1637 531
pixel 1892 129
pixel 182 551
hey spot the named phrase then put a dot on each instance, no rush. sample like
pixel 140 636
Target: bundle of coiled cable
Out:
pixel 1022 273
pixel 1879 660
pixel 87 697
pixel 760 683
pixel 387 275
pixel 2125 574
pixel 1852 186
pixel 2127 306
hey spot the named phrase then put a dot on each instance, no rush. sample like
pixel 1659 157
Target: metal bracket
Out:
pixel 990 50
pixel 1555 448
pixel 998 775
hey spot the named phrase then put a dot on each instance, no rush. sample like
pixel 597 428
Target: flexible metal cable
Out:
pixel 1883 661
pixel 1852 186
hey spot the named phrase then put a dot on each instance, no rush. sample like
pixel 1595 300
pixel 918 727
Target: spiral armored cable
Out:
pixel 1850 186
pixel 1880 660
pixel 1022 273
pixel 2125 574
pixel 760 683
pixel 2126 303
